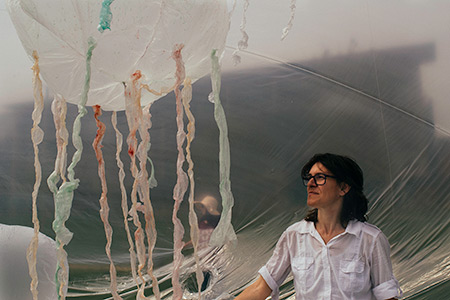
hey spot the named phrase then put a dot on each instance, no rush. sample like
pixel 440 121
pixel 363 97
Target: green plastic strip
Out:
pixel 63 196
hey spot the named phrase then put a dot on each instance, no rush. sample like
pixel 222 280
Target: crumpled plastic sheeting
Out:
pixel 377 98
pixel 408 196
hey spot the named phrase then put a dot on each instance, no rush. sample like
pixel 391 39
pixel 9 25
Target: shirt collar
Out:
pixel 308 227
pixel 353 227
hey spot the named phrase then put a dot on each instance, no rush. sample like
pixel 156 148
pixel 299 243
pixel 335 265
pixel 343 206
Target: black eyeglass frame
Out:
pixel 318 175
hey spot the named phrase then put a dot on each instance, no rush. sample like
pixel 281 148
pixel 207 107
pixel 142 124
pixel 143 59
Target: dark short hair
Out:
pixel 346 170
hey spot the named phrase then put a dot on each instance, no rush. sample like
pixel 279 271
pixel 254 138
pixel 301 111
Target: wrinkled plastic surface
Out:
pixel 14 278
pixel 141 37
pixel 365 79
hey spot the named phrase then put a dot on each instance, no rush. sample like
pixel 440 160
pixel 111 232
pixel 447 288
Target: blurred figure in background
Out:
pixel 208 217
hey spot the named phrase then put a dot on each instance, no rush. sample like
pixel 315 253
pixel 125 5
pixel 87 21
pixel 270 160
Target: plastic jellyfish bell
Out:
pixel 141 36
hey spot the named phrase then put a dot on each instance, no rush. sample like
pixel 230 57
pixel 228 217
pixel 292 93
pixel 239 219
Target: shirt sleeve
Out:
pixel 278 267
pixel 384 284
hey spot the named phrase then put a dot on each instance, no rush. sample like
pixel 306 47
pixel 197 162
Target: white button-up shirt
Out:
pixel 355 264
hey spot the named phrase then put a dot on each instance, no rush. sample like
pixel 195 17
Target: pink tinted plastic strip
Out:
pixel 119 142
pixel 134 114
pixel 182 180
pixel 37 136
pixel 144 184
pixel 104 207
pixel 186 95
pixel 139 120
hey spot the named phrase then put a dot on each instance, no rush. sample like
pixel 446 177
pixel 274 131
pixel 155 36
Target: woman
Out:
pixel 333 253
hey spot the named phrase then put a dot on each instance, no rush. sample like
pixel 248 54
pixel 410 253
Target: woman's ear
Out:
pixel 345 188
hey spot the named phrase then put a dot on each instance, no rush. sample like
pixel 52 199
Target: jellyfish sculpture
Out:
pixel 116 56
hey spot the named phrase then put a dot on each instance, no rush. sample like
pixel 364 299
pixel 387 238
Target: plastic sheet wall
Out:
pixel 364 79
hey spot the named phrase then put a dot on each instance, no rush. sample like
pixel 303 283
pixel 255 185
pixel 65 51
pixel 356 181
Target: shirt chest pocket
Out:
pixel 352 275
pixel 303 270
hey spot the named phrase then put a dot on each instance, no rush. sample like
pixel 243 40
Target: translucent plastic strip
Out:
pixel 243 42
pixel 186 95
pixel 144 192
pixel 119 142
pixel 59 110
pixel 182 180
pixel 291 20
pixel 105 16
pixel 76 138
pixel 224 231
pixel 62 274
pixel 164 90
pixel 104 207
pixel 63 196
pixel 134 115
pixel 152 180
pixel 37 135
pixel 140 120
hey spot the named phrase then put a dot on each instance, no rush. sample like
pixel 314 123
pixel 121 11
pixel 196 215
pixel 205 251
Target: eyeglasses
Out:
pixel 319 179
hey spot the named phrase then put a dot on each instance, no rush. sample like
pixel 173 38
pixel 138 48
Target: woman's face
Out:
pixel 327 196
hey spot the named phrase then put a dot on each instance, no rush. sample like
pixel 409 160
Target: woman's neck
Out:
pixel 328 225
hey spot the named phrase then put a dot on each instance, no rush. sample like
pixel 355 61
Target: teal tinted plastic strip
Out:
pixel 105 16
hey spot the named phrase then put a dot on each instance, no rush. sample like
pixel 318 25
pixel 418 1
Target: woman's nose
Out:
pixel 311 182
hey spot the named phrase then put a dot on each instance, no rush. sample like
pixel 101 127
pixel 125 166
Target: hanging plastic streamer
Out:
pixel 124 203
pixel 105 20
pixel 59 111
pixel 152 180
pixel 243 42
pixel 144 191
pixel 186 95
pixel 131 113
pixel 141 183
pixel 182 180
pixel 64 195
pixel 104 207
pixel 224 231
pixel 37 136
pixel 291 21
